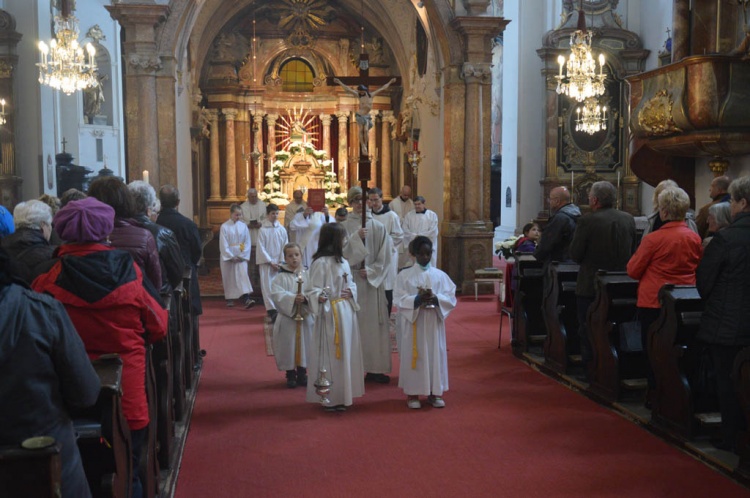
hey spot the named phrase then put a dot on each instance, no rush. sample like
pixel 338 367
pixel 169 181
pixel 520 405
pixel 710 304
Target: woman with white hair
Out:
pixel 670 255
pixel 719 217
pixel 654 219
pixel 29 246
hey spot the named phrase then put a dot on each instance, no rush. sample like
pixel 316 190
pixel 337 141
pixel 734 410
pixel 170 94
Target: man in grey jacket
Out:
pixel 604 240
pixel 557 235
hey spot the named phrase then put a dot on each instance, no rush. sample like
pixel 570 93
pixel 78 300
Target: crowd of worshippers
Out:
pixel 81 277
pixel 710 251
pixel 329 283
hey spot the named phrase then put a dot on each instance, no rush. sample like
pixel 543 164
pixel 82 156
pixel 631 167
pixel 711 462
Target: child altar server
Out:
pixel 272 238
pixel 425 296
pixel 336 346
pixel 292 330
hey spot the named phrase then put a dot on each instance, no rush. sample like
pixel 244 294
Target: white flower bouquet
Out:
pixel 506 246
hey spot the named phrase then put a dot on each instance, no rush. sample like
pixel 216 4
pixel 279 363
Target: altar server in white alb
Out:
pixel 291 337
pixel 253 212
pixel 368 251
pixel 234 245
pixel 305 230
pixel 272 238
pixel 424 296
pixel 392 224
pixel 421 221
pixel 335 346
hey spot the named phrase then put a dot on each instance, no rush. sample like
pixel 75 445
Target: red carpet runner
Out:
pixel 507 431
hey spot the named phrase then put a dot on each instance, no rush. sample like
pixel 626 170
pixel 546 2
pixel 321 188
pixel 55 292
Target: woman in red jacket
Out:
pixel 102 290
pixel 669 255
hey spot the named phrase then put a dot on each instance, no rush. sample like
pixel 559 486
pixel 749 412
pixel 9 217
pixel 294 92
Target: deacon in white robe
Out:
pixel 370 262
pixel 335 345
pixel 271 241
pixel 305 230
pixel 392 225
pixel 421 221
pixel 291 338
pixel 234 246
pixel 422 349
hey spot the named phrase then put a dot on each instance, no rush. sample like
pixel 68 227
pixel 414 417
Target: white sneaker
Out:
pixel 436 401
pixel 413 403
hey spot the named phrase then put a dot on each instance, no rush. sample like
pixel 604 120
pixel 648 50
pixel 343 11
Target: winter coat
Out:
pixel 103 292
pixel 44 371
pixel 139 242
pixel 555 242
pixel 187 235
pixel 30 251
pixel 669 255
pixel 723 281
pixel 170 255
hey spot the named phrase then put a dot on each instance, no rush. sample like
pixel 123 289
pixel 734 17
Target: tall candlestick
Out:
pixel 618 181
pixel 145 175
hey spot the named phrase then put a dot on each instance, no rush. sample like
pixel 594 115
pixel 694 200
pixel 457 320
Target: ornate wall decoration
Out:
pixel 145 62
pixel 655 117
pixel 6 69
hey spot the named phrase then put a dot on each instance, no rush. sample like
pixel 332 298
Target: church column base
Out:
pixel 466 247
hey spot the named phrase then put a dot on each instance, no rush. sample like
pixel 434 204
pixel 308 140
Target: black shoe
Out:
pixel 379 378
pixel 291 379
pixel 301 376
pixel 249 303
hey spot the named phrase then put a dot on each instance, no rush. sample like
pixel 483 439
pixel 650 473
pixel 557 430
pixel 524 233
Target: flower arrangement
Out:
pixel 334 196
pixel 271 190
pixel 506 246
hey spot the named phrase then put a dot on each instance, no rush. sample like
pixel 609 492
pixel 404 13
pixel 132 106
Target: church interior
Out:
pixel 473 105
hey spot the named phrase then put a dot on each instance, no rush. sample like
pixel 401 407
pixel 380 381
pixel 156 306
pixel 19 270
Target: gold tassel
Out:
pixel 336 339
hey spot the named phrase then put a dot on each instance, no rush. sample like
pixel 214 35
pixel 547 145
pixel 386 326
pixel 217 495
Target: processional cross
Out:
pixel 359 87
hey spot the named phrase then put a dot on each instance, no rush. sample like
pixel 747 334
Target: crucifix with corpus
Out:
pixel 358 86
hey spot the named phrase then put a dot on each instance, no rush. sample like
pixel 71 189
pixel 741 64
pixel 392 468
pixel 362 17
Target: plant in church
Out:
pixel 334 196
pixel 506 246
pixel 272 189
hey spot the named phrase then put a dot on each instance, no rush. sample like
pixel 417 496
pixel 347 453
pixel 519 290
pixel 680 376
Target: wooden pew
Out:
pixel 674 355
pixel 30 472
pixel 163 369
pixel 149 467
pixel 103 435
pixel 615 302
pixel 528 324
pixel 189 354
pixel 560 318
pixel 742 384
pixel 177 336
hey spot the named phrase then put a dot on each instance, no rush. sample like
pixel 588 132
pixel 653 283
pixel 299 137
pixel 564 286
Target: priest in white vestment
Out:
pixel 392 225
pixel 253 213
pixel 421 327
pixel 271 241
pixel 402 204
pixel 370 261
pixel 335 346
pixel 421 221
pixel 296 205
pixel 234 246
pixel 304 229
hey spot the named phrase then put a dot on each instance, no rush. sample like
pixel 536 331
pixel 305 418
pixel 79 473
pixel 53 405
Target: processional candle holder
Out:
pixel 298 307
pixel 414 157
pixel 323 383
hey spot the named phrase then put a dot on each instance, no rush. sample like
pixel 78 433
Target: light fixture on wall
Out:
pixel 3 119
pixel 591 117
pixel 581 80
pixel 63 64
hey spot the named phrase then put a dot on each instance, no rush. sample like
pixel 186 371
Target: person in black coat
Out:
pixel 558 233
pixel 29 246
pixel 44 371
pixel 723 281
pixel 187 235
pixel 604 240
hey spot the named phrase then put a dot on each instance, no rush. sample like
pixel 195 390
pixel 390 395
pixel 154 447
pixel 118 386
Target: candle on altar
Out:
pixel 618 181
pixel 145 175
pixel 572 181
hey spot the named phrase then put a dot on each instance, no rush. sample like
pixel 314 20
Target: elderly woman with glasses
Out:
pixel 29 247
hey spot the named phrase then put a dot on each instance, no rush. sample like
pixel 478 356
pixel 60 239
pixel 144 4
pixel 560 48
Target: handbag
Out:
pixel 630 336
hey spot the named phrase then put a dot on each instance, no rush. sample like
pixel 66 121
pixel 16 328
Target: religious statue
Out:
pixel 364 120
pixel 93 98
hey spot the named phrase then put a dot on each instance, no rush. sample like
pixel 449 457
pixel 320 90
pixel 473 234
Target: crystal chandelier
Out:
pixel 581 80
pixel 62 64
pixel 591 118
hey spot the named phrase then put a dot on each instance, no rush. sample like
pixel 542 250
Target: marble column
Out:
pixel 143 62
pixel 372 148
pixel 258 141
pixel 326 120
pixel 271 123
pixel 230 162
pixel 385 154
pixel 343 176
pixel 214 161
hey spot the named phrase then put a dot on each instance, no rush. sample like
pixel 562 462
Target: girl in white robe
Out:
pixel 291 338
pixel 335 347
pixel 423 352
pixel 234 246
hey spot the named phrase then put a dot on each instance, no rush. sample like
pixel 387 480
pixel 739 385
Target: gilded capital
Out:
pixel 325 119
pixel 476 72
pixel 213 115
pixel 229 114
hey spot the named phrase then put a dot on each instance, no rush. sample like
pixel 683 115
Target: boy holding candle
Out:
pixel 292 331
pixel 424 296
